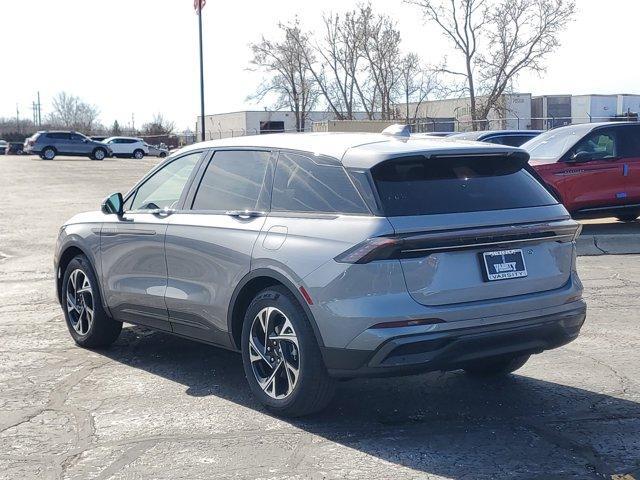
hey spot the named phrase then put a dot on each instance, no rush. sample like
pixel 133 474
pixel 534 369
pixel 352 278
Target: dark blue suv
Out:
pixel 49 144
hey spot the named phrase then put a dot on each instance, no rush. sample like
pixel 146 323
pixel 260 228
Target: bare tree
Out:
pixel 158 126
pixel 497 40
pixel 382 50
pixel 286 63
pixel 336 71
pixel 71 112
pixel 416 84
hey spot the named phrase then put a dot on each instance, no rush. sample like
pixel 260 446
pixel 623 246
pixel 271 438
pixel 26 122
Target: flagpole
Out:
pixel 202 134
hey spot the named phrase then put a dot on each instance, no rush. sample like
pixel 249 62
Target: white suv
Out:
pixel 127 147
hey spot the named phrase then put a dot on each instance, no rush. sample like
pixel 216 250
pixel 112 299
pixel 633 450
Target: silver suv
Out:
pixel 325 256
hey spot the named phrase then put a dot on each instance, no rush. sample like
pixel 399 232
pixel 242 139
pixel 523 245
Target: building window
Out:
pixel 271 127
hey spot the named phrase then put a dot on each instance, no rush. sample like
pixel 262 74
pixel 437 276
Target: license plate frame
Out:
pixel 504 265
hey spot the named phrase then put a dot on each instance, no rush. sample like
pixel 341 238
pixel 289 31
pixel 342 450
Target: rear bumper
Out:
pixel 453 349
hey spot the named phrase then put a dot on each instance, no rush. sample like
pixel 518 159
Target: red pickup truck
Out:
pixel 593 168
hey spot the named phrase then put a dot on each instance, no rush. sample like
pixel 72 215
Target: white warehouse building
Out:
pixel 255 122
pixel 514 112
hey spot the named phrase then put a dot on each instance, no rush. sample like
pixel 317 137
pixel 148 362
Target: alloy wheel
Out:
pixel 80 305
pixel 274 353
pixel 49 154
pixel 99 155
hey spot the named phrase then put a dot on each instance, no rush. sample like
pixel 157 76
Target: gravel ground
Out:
pixel 155 406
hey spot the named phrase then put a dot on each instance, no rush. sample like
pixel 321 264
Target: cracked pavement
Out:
pixel 156 406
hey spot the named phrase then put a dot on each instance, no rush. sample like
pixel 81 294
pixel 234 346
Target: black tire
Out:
pixel 48 153
pixel 314 388
pixel 99 154
pixel 628 218
pixel 497 366
pixel 138 154
pixel 102 331
pixel 162 154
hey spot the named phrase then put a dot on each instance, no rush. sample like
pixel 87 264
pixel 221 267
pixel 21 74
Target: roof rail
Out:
pixel 398 130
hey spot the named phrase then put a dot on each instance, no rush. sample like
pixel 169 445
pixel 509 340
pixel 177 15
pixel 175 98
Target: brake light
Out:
pixel 377 248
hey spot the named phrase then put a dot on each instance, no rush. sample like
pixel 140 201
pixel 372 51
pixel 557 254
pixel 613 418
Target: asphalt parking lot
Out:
pixel 155 406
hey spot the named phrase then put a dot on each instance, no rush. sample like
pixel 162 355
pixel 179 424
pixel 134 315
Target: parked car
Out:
pixel 48 144
pixel 127 147
pixel 593 168
pixel 325 256
pixel 512 138
pixel 157 150
pixel 3 146
pixel 14 148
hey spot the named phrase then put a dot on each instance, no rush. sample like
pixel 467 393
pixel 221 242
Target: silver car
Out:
pixel 327 256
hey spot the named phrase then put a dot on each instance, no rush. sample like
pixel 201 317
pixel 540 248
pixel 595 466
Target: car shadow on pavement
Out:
pixel 445 424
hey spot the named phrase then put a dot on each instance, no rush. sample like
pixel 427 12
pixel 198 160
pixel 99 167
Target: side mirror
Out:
pixel 580 157
pixel 113 204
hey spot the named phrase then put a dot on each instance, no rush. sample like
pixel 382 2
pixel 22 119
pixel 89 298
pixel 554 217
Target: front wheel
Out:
pixel 628 218
pixel 99 154
pixel 138 154
pixel 496 367
pixel 281 357
pixel 88 323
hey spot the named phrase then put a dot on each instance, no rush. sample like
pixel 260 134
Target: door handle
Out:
pixel 162 212
pixel 244 214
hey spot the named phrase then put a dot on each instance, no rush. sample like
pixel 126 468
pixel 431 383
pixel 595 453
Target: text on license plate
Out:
pixel 504 264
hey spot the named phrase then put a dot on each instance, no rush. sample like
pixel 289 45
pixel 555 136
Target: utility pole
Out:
pixel 17 118
pixel 199 5
pixel 133 123
pixel 39 111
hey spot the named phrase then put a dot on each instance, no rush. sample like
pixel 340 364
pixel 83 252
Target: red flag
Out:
pixel 199 5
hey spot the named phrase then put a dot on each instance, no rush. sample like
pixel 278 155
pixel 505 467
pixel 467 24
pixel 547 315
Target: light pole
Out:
pixel 199 4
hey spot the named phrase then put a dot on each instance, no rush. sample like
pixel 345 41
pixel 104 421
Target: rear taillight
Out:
pixel 422 244
pixel 377 248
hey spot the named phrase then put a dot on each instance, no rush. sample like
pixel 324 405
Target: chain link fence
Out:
pixel 431 125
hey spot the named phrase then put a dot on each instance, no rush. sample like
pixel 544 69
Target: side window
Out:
pixel 599 145
pixel 304 185
pixel 77 138
pixel 59 136
pixel 515 140
pixel 235 180
pixel 629 141
pixel 164 188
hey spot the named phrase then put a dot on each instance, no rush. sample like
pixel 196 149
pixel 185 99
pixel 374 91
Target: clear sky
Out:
pixel 140 56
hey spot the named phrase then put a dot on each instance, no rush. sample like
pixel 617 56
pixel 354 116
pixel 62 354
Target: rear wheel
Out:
pixel 88 323
pixel 496 367
pixel 628 218
pixel 138 154
pixel 281 357
pixel 49 153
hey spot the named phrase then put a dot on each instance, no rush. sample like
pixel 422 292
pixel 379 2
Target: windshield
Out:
pixel 553 144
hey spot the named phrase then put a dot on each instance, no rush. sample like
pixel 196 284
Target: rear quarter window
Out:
pixel 419 186
pixel 305 184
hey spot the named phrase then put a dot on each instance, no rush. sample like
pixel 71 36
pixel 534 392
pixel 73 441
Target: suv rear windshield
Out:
pixel 419 186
